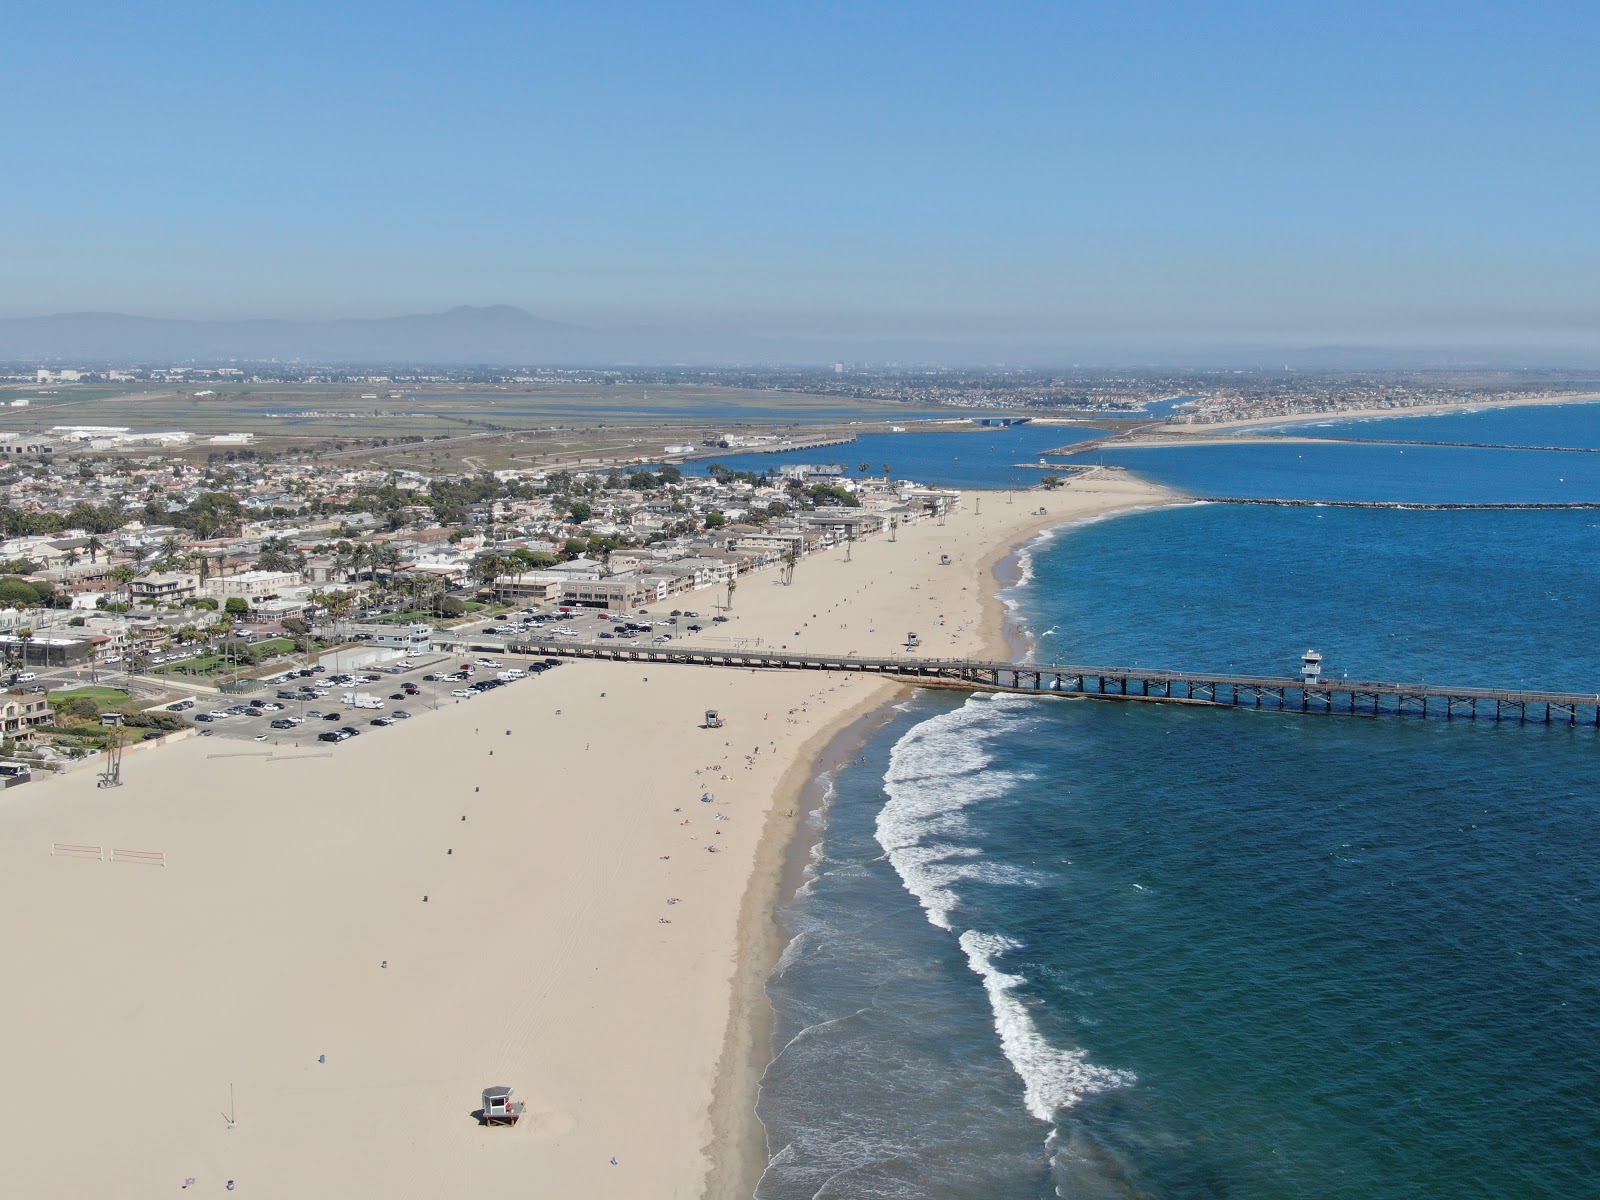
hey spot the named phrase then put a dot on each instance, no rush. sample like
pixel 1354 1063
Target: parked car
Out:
pixel 313 713
pixel 203 717
pixel 463 693
pixel 694 628
pixel 381 722
pixel 333 716
pixel 349 730
pixel 400 714
pixel 281 723
pixel 180 706
pixel 333 735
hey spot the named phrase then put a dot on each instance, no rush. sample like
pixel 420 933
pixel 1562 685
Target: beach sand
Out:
pixel 1360 414
pixel 531 944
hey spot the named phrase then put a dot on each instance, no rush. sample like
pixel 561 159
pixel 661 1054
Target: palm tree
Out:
pixel 894 525
pixel 94 545
pixel 790 557
pixel 733 586
pixel 489 567
pixel 124 575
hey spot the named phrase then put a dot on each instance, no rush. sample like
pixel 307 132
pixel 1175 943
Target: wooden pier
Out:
pixel 1330 697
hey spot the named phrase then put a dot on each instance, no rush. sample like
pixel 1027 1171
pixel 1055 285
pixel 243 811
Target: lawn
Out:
pixel 105 697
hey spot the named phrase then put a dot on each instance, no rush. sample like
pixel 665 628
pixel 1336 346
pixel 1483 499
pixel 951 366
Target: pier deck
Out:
pixel 1339 697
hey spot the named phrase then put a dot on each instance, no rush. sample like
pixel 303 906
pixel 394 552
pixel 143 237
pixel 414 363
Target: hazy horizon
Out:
pixel 1156 176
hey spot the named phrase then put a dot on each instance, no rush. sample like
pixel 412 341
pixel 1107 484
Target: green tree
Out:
pixel 18 593
pixel 237 606
pixel 581 512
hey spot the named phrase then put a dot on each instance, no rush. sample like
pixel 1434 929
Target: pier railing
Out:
pixel 1334 697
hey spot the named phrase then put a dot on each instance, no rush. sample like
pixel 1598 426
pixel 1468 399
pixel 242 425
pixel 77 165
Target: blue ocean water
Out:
pixel 1403 474
pixel 982 458
pixel 1078 949
pixel 1576 425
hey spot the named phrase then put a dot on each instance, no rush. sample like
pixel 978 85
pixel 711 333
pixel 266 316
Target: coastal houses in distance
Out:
pixel 158 567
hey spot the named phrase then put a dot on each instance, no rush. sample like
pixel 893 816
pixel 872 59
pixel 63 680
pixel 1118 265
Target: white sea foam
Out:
pixel 1052 1078
pixel 937 770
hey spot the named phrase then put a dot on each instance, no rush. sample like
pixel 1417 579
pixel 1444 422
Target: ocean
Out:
pixel 1071 949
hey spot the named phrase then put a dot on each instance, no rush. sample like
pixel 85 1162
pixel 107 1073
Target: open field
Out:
pixel 464 427
pixel 323 411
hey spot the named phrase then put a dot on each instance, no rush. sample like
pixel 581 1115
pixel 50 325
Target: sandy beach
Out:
pixel 565 886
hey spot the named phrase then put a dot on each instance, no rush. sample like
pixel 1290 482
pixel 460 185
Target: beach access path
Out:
pixel 565 886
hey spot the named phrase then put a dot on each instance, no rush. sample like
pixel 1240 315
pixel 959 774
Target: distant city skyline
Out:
pixel 1031 175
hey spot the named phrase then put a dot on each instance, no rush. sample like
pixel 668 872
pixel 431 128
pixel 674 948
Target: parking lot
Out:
pixel 314 701
pixel 656 625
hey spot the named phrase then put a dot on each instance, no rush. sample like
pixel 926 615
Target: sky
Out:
pixel 1390 173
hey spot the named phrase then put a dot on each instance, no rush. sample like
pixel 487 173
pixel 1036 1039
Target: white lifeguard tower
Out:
pixel 713 719
pixel 1311 667
pixel 499 1108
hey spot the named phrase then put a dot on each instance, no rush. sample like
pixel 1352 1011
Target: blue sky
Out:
pixel 1050 172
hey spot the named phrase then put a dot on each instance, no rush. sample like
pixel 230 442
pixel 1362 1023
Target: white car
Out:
pixel 486 662
pixel 464 693
pixel 662 637
pixel 217 714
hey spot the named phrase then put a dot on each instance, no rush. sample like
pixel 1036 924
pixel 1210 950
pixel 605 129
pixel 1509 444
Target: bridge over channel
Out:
pixel 1339 697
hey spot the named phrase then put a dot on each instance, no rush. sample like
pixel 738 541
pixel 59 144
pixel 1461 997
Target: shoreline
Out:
pixel 738 1151
pixel 1364 414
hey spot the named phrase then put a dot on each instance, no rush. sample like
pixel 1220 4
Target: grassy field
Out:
pixel 312 412
pixel 105 697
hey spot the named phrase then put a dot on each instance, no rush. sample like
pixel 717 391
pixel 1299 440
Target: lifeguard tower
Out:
pixel 713 719
pixel 1311 667
pixel 499 1108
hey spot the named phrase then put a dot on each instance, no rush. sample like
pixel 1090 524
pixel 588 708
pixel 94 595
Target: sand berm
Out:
pixel 558 909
